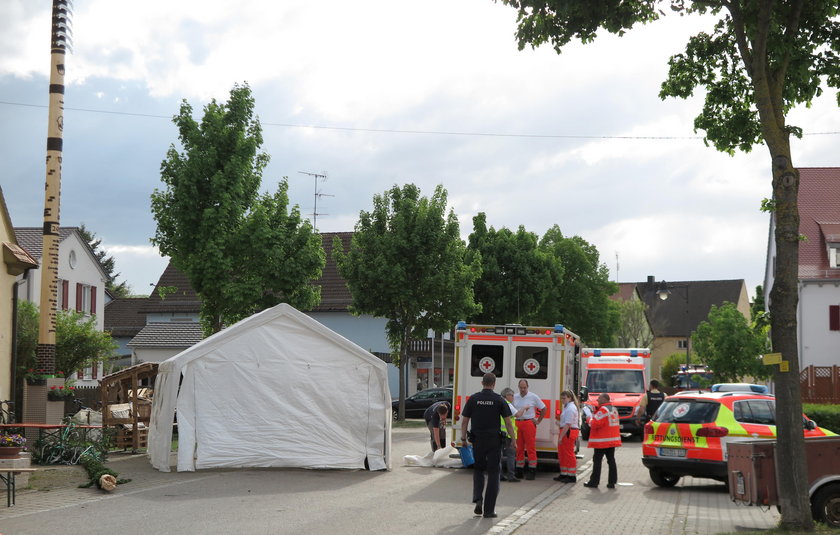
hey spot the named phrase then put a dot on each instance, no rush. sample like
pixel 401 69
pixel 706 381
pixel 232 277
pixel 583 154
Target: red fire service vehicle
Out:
pixel 624 375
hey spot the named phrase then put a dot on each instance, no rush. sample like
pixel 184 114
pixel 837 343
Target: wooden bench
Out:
pixel 9 480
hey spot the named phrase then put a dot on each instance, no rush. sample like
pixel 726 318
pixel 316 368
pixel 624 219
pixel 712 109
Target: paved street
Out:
pixel 406 500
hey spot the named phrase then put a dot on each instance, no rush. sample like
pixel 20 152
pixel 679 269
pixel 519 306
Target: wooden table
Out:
pixel 7 466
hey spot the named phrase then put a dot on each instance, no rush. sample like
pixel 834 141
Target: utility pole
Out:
pixel 318 194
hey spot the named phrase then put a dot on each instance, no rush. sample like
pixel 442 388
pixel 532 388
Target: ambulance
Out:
pixel 623 374
pixel 546 356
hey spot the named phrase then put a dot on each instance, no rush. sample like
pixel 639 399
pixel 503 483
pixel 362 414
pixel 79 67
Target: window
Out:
pixel 485 359
pixel 834 317
pixel 531 362
pixel 687 412
pixel 682 344
pixel 755 411
pixel 834 255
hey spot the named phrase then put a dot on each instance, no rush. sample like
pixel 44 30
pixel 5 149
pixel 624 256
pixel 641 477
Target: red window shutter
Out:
pixel 80 374
pixel 65 294
pixel 79 290
pixel 93 370
pixel 93 300
pixel 834 317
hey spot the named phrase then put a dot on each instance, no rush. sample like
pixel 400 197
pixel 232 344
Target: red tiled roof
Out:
pixel 625 291
pixel 819 214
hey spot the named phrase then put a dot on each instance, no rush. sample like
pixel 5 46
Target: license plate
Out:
pixel 671 452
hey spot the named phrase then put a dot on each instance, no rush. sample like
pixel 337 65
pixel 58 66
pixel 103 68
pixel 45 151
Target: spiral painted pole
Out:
pixel 60 41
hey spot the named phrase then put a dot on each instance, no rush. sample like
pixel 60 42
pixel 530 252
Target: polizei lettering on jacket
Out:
pixel 483 402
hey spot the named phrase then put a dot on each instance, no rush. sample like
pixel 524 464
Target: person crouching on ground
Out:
pixel 435 416
pixel 569 424
pixel 604 437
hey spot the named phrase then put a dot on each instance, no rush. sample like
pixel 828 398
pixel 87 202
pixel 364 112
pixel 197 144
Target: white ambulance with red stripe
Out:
pixel 623 374
pixel 546 356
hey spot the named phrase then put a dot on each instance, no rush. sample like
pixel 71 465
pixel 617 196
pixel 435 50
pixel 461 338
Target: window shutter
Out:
pixel 92 300
pixel 80 374
pixel 79 296
pixel 93 370
pixel 834 317
pixel 65 294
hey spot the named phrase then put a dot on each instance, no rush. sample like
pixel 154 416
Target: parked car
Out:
pixel 688 434
pixel 417 404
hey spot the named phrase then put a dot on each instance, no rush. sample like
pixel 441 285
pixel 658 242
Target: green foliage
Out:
pixel 671 366
pixel 730 346
pixel 516 274
pixel 95 469
pixel 633 327
pixel 827 416
pixel 242 251
pixel 78 343
pixel 580 299
pixel 768 205
pixel 107 262
pixel 407 263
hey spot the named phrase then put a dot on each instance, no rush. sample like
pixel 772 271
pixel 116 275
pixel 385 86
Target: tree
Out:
pixel 761 58
pixel 729 345
pixel 407 263
pixel 78 343
pixel 671 366
pixel 516 275
pixel 633 327
pixel 581 300
pixel 107 262
pixel 242 251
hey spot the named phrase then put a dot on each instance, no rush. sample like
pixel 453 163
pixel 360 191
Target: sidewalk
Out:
pixel 636 505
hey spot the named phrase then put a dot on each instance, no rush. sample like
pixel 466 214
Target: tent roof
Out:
pixel 243 327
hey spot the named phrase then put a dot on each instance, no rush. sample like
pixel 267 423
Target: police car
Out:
pixel 688 434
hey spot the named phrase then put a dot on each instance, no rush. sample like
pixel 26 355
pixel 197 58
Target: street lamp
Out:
pixel 662 290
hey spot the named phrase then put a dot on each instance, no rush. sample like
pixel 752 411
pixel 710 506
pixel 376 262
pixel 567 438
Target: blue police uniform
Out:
pixel 484 410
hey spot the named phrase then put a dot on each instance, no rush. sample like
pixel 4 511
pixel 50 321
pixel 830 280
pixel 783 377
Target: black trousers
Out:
pixel 487 449
pixel 597 459
pixel 442 434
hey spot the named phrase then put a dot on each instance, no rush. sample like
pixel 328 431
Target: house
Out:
pixel 169 316
pixel 818 312
pixel 16 262
pixel 674 319
pixel 124 319
pixel 81 280
pixel 634 329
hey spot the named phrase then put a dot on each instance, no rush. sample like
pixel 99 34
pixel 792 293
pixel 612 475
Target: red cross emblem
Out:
pixel 531 366
pixel 487 364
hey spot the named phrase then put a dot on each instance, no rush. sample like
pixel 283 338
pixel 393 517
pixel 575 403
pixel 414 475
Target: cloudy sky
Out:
pixel 374 93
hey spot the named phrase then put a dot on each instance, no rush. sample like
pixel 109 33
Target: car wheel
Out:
pixel 662 478
pixel 825 505
pixel 584 431
pixel 396 415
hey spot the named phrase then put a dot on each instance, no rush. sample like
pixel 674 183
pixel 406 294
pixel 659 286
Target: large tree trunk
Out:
pixel 784 298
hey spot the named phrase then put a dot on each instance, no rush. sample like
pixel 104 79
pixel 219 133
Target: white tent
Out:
pixel 277 389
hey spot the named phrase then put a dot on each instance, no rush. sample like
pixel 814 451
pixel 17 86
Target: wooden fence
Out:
pixel 820 384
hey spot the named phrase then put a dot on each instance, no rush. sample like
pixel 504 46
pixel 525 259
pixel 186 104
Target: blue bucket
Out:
pixel 467 458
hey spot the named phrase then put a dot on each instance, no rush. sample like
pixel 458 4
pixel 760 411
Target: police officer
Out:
pixel 484 409
pixel 653 399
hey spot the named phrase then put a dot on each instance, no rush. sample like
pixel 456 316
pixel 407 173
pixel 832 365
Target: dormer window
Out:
pixel 834 255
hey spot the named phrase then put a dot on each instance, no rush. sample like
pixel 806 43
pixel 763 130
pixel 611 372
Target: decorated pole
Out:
pixel 60 38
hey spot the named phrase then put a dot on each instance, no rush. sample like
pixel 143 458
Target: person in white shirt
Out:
pixel 526 430
pixel 569 424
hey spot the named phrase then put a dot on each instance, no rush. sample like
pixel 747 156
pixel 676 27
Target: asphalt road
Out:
pixel 272 501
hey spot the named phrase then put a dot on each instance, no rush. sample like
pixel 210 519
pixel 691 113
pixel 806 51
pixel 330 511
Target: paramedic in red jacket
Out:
pixel 604 438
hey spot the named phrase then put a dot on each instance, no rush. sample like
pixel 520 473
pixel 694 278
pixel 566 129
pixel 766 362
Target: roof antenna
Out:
pixel 318 194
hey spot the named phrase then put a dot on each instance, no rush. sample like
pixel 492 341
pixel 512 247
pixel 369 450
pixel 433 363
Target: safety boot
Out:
pixel 531 474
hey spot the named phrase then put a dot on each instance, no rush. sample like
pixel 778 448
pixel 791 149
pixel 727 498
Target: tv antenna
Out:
pixel 318 194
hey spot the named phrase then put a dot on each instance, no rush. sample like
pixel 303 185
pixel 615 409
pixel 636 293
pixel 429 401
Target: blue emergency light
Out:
pixel 558 328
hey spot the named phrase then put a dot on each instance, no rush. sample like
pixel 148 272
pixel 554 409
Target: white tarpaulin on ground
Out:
pixel 277 389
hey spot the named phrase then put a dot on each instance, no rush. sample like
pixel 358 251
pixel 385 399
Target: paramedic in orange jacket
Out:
pixel 604 438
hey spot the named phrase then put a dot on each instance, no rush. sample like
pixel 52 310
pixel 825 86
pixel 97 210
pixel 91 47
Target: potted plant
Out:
pixel 60 393
pixel 11 445
pixel 36 377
